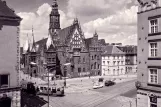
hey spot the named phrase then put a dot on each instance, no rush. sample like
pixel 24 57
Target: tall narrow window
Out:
pixel 153 49
pixel 95 64
pixel 154 26
pixel 92 66
pixel 103 62
pixel 153 76
pixel 84 70
pixel 84 60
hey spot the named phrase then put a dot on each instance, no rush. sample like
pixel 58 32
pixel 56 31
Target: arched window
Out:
pixel 95 57
pixel 95 64
pixel 92 57
pixel 84 60
pixel 92 66
pixel 84 70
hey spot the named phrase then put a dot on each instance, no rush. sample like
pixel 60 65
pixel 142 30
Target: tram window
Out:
pixel 45 88
pixel 41 88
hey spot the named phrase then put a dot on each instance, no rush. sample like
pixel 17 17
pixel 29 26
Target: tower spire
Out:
pixel 95 34
pixel 33 43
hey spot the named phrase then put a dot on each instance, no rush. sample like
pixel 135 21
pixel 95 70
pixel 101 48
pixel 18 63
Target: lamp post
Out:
pixel 65 70
pixel 48 80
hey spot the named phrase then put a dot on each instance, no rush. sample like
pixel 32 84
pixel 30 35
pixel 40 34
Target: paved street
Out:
pixel 97 98
pixel 79 92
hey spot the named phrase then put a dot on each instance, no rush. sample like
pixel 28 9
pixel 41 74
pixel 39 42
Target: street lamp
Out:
pixel 65 70
pixel 45 66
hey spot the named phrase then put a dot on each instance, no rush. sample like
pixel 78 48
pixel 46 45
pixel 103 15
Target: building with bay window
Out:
pixel 149 54
pixel 10 95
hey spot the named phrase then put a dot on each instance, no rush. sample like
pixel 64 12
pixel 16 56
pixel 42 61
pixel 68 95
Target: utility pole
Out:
pixel 45 66
pixel 48 88
pixel 65 70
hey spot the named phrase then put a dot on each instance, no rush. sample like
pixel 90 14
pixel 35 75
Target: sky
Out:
pixel 114 20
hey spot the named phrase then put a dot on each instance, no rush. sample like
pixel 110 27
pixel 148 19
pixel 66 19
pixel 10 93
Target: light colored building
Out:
pixel 113 61
pixel 149 54
pixel 9 57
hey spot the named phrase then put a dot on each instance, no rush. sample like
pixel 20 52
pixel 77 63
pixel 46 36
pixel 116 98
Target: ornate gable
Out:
pixel 77 40
pixel 51 48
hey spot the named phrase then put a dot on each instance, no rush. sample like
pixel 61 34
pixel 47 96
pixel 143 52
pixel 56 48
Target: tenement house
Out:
pixel 113 61
pixel 130 58
pixel 149 54
pixel 9 63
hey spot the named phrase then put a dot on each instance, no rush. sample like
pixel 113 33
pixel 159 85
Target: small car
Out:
pixel 109 83
pixel 97 85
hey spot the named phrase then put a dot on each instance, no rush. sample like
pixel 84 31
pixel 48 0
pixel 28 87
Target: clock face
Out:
pixel 54 18
pixel 56 25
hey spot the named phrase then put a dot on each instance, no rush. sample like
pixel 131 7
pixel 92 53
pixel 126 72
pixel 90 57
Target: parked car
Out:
pixel 109 83
pixel 100 79
pixel 97 85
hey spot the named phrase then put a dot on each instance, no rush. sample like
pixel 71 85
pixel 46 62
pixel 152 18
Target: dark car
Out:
pixel 109 83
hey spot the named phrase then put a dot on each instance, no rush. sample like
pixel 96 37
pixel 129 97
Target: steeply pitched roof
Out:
pixel 128 49
pixel 88 42
pixel 111 50
pixel 5 11
pixel 63 33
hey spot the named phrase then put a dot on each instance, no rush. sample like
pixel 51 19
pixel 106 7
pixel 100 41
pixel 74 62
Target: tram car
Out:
pixel 28 87
pixel 53 90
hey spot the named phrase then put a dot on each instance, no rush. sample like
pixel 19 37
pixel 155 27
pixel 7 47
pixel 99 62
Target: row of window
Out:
pixel 95 57
pixel 115 69
pixel 114 57
pixel 83 60
pixel 95 66
pixel 51 60
pixel 83 70
pixel 114 62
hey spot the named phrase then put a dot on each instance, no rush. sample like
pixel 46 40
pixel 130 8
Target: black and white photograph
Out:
pixel 80 53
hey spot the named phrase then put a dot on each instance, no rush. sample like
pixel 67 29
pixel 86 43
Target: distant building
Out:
pixel 10 54
pixel 113 61
pixel 68 45
pixel 130 57
pixel 149 54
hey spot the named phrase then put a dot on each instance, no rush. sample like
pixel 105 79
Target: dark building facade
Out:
pixel 68 45
pixel 130 57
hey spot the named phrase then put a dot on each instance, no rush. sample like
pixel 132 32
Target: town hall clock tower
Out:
pixel 54 18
